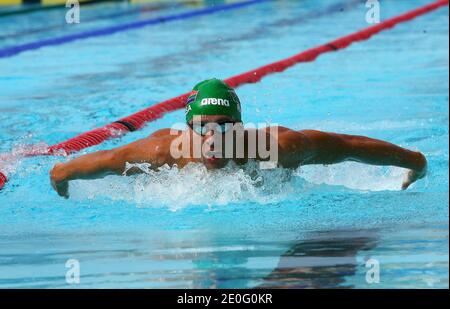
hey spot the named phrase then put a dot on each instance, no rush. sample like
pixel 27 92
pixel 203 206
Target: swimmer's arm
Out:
pixel 100 164
pixel 328 148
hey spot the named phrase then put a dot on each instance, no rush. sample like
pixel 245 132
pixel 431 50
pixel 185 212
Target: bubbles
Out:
pixel 10 162
pixel 143 167
pixel 194 185
pixel 355 176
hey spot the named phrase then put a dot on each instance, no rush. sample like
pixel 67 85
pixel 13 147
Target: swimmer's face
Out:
pixel 211 129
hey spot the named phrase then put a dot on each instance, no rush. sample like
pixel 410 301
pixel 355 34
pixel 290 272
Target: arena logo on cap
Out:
pixel 215 101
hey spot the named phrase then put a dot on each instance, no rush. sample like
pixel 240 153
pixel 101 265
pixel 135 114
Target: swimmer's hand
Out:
pixel 58 181
pixel 414 175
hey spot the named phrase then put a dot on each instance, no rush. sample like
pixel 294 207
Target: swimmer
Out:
pixel 212 110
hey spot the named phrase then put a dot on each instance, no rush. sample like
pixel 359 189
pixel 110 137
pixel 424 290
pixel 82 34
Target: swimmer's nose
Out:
pixel 209 139
pixel 209 133
pixel 209 136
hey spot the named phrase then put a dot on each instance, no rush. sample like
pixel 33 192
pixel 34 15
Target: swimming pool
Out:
pixel 313 227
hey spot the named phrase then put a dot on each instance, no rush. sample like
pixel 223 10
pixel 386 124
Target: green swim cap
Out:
pixel 213 97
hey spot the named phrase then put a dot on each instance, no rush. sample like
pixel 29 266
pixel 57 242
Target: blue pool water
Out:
pixel 312 227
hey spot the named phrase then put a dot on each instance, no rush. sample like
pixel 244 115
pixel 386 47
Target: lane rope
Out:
pixel 41 8
pixel 3 180
pixel 259 31
pixel 17 49
pixel 139 119
pixel 135 10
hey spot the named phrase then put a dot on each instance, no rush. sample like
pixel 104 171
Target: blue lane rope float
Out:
pixel 136 10
pixel 333 8
pixel 39 8
pixel 16 49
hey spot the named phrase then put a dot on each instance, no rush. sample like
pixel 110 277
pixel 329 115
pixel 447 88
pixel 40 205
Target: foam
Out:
pixel 357 176
pixel 11 161
pixel 176 188
pixel 193 185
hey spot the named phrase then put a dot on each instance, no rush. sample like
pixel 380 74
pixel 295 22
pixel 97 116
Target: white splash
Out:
pixel 354 175
pixel 176 188
pixel 11 161
pixel 192 185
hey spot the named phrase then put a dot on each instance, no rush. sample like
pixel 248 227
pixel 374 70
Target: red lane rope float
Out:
pixel 138 120
pixel 3 180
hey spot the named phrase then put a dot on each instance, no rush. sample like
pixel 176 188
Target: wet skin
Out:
pixel 295 148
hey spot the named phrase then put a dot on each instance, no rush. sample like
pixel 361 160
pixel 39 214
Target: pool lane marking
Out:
pixel 136 10
pixel 16 49
pixel 39 8
pixel 139 119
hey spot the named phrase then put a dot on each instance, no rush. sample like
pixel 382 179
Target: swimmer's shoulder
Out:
pixel 165 133
pixel 163 141
pixel 282 132
pixel 279 129
pixel 160 141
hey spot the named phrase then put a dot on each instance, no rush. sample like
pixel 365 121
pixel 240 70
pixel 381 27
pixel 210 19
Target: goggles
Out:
pixel 203 128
